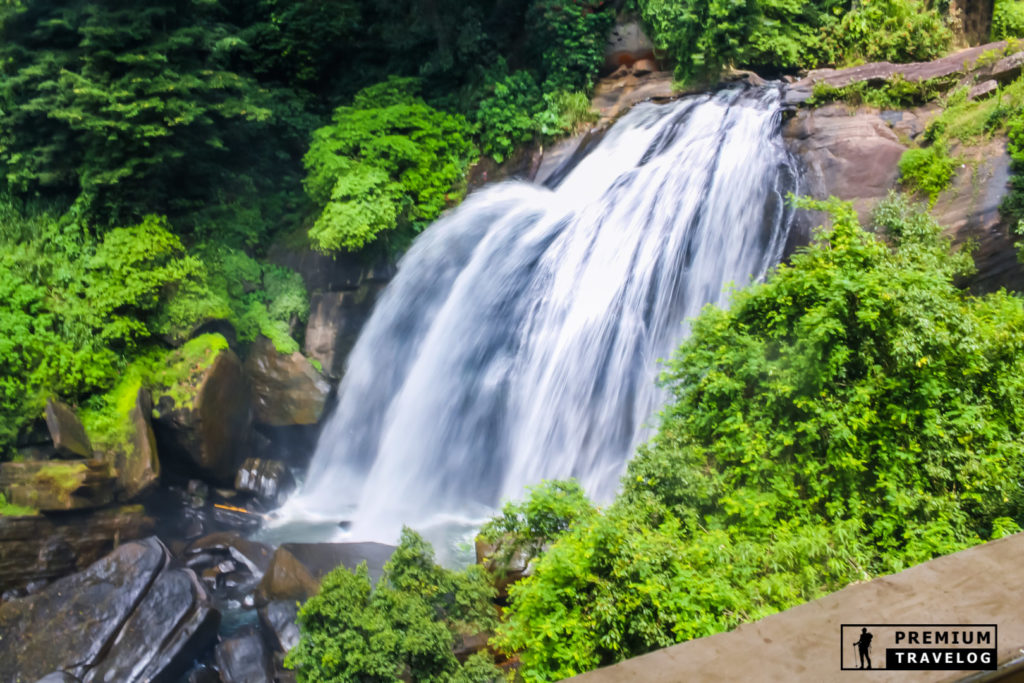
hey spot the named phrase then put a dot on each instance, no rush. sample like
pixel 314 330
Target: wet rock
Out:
pixel 58 677
pixel 138 465
pixel 335 321
pixel 256 556
pixel 172 624
pixel 269 480
pixel 66 430
pixel 286 388
pixel 296 569
pixel 278 620
pixel 204 674
pixel 244 659
pixel 58 485
pixel 205 419
pixel 39 549
pixel 82 612
pixel 128 617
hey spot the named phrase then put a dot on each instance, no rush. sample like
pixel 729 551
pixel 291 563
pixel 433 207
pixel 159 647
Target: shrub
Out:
pixel 928 169
pixel 890 30
pixel 1008 19
pixel 405 626
pixel 387 161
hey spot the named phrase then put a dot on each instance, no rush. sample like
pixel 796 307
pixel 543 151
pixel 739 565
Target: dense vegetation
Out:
pixel 856 414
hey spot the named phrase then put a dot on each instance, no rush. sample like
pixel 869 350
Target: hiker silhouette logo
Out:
pixel 918 647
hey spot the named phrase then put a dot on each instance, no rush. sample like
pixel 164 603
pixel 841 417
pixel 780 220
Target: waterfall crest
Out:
pixel 521 337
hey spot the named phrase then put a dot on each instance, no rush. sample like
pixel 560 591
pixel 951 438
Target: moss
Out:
pixel 895 93
pixel 61 476
pixel 12 510
pixel 181 370
pixel 928 169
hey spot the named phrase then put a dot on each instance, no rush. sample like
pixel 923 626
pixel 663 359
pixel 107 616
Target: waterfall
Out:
pixel 522 335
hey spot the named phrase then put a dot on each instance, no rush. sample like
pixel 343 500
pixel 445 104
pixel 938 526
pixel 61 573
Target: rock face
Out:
pixel 34 549
pixel 269 480
pixel 128 617
pixel 205 418
pixel 297 568
pixel 286 389
pixel 335 321
pixel 853 156
pixel 278 621
pixel 627 44
pixel 139 469
pixel 58 485
pixel 67 431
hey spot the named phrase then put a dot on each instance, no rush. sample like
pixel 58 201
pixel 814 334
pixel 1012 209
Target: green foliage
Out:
pixel 890 30
pixel 928 169
pixel 525 528
pixel 77 308
pixel 569 38
pixel 1012 208
pixel 1008 19
pixel 389 160
pixel 704 36
pixel 12 510
pixel 895 93
pixel 852 416
pixel 406 625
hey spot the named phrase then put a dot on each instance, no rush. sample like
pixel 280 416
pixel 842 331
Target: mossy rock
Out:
pixel 203 416
pixel 58 485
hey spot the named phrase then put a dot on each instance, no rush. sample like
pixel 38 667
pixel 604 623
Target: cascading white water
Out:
pixel 521 338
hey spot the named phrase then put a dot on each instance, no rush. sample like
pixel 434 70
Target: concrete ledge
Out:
pixel 981 585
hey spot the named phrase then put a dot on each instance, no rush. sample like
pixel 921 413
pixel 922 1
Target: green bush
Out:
pixel 387 161
pixel 406 625
pixel 568 39
pixel 928 169
pixel 1008 19
pixel 890 30
pixel 854 415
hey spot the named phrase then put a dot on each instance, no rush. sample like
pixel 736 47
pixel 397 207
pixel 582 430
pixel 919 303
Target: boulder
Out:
pixel 983 89
pixel 138 463
pixel 128 617
pixel 51 485
pixel 269 480
pixel 852 155
pixel 255 556
pixel 34 549
pixel 204 416
pixel 286 388
pixel 335 321
pixel 296 569
pixel 278 621
pixel 627 44
pixel 172 624
pixel 66 430
pixel 244 659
